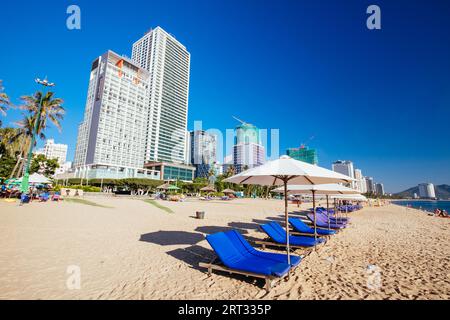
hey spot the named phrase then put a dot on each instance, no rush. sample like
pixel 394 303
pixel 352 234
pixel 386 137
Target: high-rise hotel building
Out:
pixel 111 137
pixel 168 63
pixel 136 111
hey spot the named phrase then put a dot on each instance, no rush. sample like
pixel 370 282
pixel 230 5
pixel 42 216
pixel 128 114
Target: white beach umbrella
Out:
pixel 37 178
pixel 320 189
pixel 286 171
pixel 355 197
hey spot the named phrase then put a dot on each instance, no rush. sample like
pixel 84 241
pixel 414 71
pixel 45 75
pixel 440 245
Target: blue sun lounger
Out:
pixel 301 227
pixel 238 256
pixel 277 236
pixel 324 218
pixel 324 224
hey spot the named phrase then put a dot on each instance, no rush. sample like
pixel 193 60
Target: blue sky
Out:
pixel 309 68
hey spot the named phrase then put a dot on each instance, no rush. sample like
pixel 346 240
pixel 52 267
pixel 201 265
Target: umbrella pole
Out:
pixel 328 212
pixel 335 210
pixel 314 209
pixel 287 221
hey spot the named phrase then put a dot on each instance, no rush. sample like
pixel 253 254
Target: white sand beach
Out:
pixel 134 250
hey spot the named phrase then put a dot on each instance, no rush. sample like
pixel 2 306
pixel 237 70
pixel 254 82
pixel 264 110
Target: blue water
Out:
pixel 426 205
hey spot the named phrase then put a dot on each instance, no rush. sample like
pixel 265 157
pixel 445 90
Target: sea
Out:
pixel 427 205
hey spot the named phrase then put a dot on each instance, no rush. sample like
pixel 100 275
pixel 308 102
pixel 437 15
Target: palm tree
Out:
pixel 51 109
pixel 23 135
pixel 4 101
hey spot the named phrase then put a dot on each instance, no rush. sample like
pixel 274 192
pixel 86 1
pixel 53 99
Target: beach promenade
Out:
pixel 131 249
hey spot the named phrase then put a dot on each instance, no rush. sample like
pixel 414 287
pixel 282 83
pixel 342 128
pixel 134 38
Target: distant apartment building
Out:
pixel 427 191
pixel 136 113
pixel 379 189
pixel 345 167
pixel 203 147
pixel 370 185
pixel 303 153
pixel 360 183
pixel 247 150
pixel 52 150
pixel 64 168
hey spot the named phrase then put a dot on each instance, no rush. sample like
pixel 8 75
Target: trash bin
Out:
pixel 200 214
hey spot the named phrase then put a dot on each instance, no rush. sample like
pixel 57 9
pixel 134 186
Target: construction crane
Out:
pixel 303 144
pixel 239 120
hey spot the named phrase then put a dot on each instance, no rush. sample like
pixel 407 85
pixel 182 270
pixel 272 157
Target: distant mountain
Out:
pixel 442 192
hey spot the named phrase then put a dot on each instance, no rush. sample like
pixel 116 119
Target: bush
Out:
pixel 86 188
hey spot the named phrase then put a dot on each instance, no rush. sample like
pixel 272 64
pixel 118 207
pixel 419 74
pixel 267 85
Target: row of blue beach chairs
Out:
pixel 234 254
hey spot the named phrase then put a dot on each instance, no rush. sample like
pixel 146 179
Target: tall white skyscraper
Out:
pixel 52 150
pixel 168 64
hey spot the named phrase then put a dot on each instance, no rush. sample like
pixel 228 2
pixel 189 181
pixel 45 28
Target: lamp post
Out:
pixel 26 175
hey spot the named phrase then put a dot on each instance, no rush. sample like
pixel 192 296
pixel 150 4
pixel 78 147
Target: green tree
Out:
pixel 23 137
pixel 6 165
pixel 43 165
pixel 4 102
pixel 51 110
pixel 9 146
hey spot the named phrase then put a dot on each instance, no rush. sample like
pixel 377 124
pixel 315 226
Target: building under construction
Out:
pixel 303 153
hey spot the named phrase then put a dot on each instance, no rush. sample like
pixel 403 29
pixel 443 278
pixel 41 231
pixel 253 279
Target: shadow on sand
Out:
pixel 168 238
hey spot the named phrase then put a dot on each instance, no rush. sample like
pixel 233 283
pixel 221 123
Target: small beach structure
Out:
pixel 228 191
pixel 167 187
pixel 287 171
pixel 208 188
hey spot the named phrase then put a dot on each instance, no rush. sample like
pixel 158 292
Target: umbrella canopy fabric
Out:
pixel 273 173
pixel 355 197
pixel 228 191
pixel 329 188
pixel 37 178
pixel 208 189
pixel 286 171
